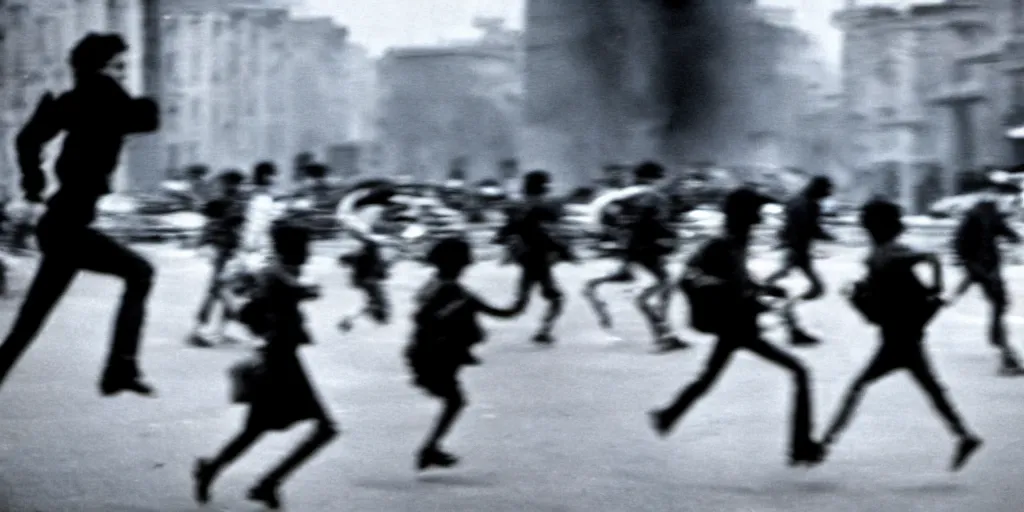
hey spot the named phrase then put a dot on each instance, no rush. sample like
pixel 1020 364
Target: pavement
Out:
pixel 547 429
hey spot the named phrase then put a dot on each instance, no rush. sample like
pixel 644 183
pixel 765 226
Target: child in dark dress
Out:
pixel 445 329
pixel 281 393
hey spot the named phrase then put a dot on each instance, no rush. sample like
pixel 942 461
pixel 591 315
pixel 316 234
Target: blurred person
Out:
pixel 199 192
pixel 277 388
pixel 725 301
pixel 95 115
pixel 262 209
pixel 801 228
pixel 976 245
pixel 893 298
pixel 368 267
pixel 533 237
pixel 446 327
pixel 650 239
pixel 226 217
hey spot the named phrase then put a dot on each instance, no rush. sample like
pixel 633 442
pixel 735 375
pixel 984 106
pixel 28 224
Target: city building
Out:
pixel 931 92
pixel 452 106
pixel 233 79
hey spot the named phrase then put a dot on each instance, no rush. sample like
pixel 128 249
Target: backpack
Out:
pixel 710 305
pixel 865 301
pixel 966 238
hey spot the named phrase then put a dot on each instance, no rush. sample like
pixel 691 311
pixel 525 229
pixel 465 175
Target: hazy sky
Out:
pixel 379 24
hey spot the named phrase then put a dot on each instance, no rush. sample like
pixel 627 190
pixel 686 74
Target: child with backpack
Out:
pixel 446 327
pixel 724 300
pixel 274 385
pixel 894 299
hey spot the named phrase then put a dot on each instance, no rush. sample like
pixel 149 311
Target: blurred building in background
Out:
pixel 931 92
pixel 452 108
pixel 35 38
pixel 238 81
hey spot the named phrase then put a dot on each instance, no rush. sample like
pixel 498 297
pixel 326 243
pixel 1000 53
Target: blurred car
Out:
pixel 956 206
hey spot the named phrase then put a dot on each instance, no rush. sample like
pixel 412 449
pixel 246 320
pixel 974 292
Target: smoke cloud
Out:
pixel 681 80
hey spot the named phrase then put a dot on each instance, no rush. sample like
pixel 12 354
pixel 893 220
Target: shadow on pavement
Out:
pixel 417 482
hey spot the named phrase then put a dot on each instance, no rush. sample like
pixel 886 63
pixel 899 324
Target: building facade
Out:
pixel 232 79
pixel 455 106
pixel 35 39
pixel 931 92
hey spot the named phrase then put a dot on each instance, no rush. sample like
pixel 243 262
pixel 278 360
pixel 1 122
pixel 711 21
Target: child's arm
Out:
pixel 290 285
pixel 1007 232
pixel 482 307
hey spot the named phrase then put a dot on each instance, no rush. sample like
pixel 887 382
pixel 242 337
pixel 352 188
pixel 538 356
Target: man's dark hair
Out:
pixel 649 171
pixel 197 171
pixel 263 172
pixel 882 219
pixel 536 182
pixel 820 186
pixel 231 177
pixel 287 236
pixel 315 170
pixel 94 51
pixel 743 203
pixel 450 253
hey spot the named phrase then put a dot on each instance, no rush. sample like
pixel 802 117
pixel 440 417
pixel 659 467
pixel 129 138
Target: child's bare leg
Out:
pixel 206 470
pixel 266 489
pixel 431 453
pixel 967 442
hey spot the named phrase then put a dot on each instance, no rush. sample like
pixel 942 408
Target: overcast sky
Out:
pixel 379 24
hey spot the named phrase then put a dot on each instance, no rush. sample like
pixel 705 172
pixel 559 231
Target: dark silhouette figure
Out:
pixel 225 216
pixel 535 244
pixel 281 393
pixel 802 227
pixel 96 115
pixel 446 327
pixel 893 298
pixel 643 226
pixel 724 301
pixel 976 244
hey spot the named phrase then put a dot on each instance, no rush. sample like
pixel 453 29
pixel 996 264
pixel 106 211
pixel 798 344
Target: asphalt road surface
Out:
pixel 547 429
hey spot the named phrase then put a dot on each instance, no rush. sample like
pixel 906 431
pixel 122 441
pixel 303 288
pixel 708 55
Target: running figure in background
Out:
pixel 359 212
pixel 976 245
pixel 610 215
pixel 532 235
pixel 802 227
pixel 651 239
pixel 225 219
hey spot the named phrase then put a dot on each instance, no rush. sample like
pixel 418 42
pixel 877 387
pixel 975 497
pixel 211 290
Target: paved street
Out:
pixel 560 429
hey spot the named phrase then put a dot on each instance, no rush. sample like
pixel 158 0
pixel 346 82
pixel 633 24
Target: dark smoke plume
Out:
pixel 629 80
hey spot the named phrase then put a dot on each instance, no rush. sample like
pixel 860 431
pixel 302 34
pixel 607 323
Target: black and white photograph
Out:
pixel 511 255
